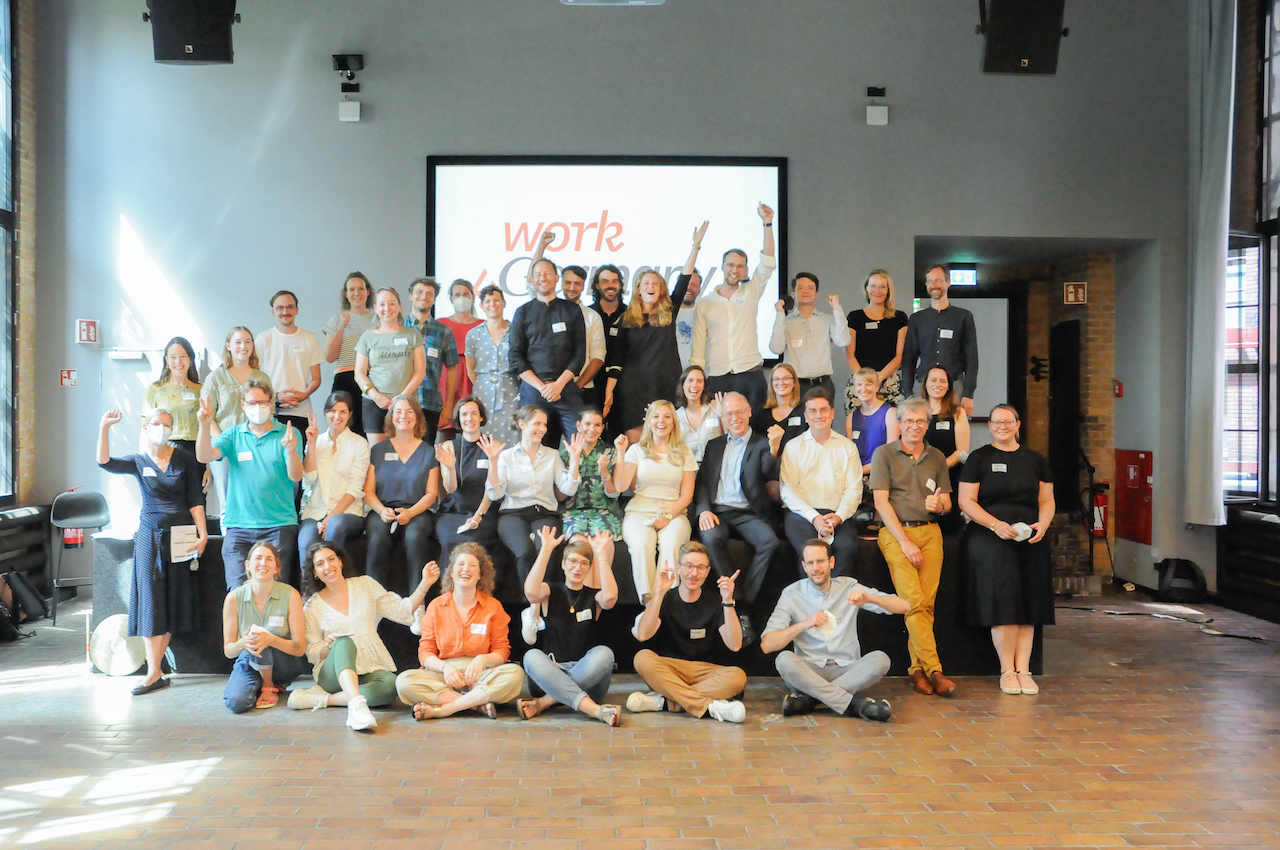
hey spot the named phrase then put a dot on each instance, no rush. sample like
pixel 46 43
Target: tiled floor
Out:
pixel 1147 732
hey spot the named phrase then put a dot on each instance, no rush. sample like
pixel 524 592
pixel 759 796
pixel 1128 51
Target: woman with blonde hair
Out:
pixel 391 361
pixel 663 470
pixel 645 361
pixel 878 333
pixel 225 390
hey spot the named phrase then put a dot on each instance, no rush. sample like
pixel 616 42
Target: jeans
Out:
pixel 236 543
pixel 844 543
pixel 378 687
pixel 419 549
pixel 834 685
pixel 562 415
pixel 757 533
pixel 569 682
pixel 245 684
pixel 342 528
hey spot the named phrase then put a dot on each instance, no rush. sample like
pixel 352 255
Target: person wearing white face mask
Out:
pixel 264 462
pixel 462 297
pixel 163 597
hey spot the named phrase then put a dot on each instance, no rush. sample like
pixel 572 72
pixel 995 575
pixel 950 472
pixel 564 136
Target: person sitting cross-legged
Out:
pixel 818 615
pixel 692 628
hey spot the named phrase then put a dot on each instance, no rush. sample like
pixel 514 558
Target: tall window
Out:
pixel 7 242
pixel 1240 438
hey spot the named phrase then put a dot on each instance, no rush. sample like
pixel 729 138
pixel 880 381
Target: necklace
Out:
pixel 575 601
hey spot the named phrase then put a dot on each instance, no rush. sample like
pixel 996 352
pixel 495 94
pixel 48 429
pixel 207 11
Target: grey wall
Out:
pixel 239 180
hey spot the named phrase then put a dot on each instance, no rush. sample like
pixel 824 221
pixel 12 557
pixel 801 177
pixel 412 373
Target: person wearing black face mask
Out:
pixel 163 596
pixel 264 461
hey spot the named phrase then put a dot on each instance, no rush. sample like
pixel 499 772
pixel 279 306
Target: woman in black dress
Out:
pixel 467 515
pixel 783 408
pixel 645 361
pixel 877 334
pixel 1010 583
pixel 948 433
pixel 163 596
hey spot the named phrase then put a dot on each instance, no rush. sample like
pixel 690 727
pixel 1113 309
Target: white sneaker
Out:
pixel 727 710
pixel 313 698
pixel 640 701
pixel 359 717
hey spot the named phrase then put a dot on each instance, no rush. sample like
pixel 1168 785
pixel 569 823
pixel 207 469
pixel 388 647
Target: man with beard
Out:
pixel 572 281
pixel 548 350
pixel 606 289
pixel 943 336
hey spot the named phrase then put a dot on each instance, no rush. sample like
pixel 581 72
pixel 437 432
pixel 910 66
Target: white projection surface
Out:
pixel 489 217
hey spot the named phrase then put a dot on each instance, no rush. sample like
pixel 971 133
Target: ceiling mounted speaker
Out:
pixel 1022 36
pixel 192 32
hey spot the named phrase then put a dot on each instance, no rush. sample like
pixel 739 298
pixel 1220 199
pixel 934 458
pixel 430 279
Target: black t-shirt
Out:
pixel 1008 482
pixel 571 622
pixel 792 426
pixel 471 477
pixel 691 630
pixel 875 342
pixel 942 434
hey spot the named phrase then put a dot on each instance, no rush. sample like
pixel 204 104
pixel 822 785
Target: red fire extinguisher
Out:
pixel 1099 514
pixel 72 538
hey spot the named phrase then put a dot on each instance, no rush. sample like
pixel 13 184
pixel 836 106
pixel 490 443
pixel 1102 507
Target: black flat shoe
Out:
pixel 158 684
pixel 794 703
pixel 869 709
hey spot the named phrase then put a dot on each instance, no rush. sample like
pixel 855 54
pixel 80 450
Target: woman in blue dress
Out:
pixel 489 365
pixel 163 596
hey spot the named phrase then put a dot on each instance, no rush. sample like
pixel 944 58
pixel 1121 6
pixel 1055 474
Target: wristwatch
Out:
pixel 729 604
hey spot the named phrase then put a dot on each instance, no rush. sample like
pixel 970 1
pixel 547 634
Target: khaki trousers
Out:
pixel 502 682
pixel 919 587
pixel 690 684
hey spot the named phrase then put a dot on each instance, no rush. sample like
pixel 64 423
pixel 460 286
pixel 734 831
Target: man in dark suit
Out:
pixel 732 498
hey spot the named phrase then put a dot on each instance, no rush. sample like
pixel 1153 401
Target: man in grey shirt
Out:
pixel 819 616
pixel 941 335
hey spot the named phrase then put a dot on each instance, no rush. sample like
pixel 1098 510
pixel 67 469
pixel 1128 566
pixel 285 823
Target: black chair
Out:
pixel 75 509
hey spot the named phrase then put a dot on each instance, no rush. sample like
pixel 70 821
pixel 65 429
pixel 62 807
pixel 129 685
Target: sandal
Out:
pixel 268 698
pixel 426 711
pixel 489 710
pixel 610 715
pixel 520 707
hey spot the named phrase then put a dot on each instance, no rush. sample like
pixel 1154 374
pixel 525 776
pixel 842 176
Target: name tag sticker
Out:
pixel 275 622
pixel 613 331
pixel 944 426
pixel 188 396
pixel 697 634
pixel 931 485
pixel 945 333
pixel 559 327
pixel 794 420
pixel 583 616
pixel 482 463
pixel 999 467
pixel 244 456
pixel 796 343
pixel 479 628
pixel 148 472
pixel 871 326
pixel 391 456
pixel 401 341
pixel 855 435
pixel 433 352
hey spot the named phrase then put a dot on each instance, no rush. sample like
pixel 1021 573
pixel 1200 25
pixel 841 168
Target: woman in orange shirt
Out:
pixel 465 649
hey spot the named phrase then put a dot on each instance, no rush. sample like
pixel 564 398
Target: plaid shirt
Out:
pixel 442 352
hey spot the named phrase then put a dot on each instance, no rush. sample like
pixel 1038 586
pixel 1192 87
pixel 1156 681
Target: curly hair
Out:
pixel 312 585
pixel 485 584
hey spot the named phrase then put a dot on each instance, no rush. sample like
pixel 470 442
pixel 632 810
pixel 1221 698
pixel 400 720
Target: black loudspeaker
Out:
pixel 1022 36
pixel 1181 581
pixel 192 32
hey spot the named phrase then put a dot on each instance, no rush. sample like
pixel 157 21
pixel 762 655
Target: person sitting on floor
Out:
pixel 566 666
pixel 692 628
pixel 262 629
pixel 818 615
pixel 464 649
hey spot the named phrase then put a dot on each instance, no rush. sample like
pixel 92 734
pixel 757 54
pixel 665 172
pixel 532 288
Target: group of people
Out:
pixel 568 429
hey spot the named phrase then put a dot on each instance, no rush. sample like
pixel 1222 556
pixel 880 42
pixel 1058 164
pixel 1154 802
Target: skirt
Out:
pixel 591 523
pixel 1006 583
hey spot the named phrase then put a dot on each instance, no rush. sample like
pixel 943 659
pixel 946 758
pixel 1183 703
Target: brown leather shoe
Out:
pixel 942 686
pixel 920 683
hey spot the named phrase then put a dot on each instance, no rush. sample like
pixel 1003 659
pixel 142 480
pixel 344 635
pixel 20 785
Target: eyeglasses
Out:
pixel 695 568
pixel 916 423
pixel 1002 423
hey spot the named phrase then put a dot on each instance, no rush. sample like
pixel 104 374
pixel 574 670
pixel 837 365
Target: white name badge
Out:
pixel 433 352
pixel 583 616
pixel 275 622
pixel 943 426
pixel 244 456
pixel 391 456
pixel 147 472
pixel 697 634
pixel 401 341
pixel 482 463
pixel 559 327
pixel 479 628
pixel 796 343
pixel 794 420
pixel 945 333
pixel 188 396
pixel 999 467
pixel 855 435
pixel 871 326
pixel 931 485
pixel 613 331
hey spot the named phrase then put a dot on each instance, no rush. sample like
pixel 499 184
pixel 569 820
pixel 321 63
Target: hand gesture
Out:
pixel 430 573
pixel 204 414
pixel 491 447
pixel 717 403
pixel 603 462
pixel 1041 528
pixel 781 307
pixel 775 434
pixel 698 233
pixel 387 514
pixel 666 578
pixel 576 444
pixel 859 596
pixel 111 417
pixel 834 301
pixel 313 430
pixel 546 238
pixel 445 455
pixel 933 504
pixel 766 213
pixel 620 444
pixel 819 619
pixel 344 318
pixel 548 538
pixel 707 520
pixel 474 671
pixel 453 678
pixel 725 583
pixel 289 439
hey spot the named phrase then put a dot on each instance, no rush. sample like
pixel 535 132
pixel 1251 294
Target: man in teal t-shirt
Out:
pixel 264 462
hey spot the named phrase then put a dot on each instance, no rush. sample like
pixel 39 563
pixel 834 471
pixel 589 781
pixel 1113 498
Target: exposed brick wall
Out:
pixel 1244 140
pixel 25 127
pixel 1035 419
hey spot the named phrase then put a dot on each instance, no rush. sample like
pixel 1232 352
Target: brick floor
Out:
pixel 1147 733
